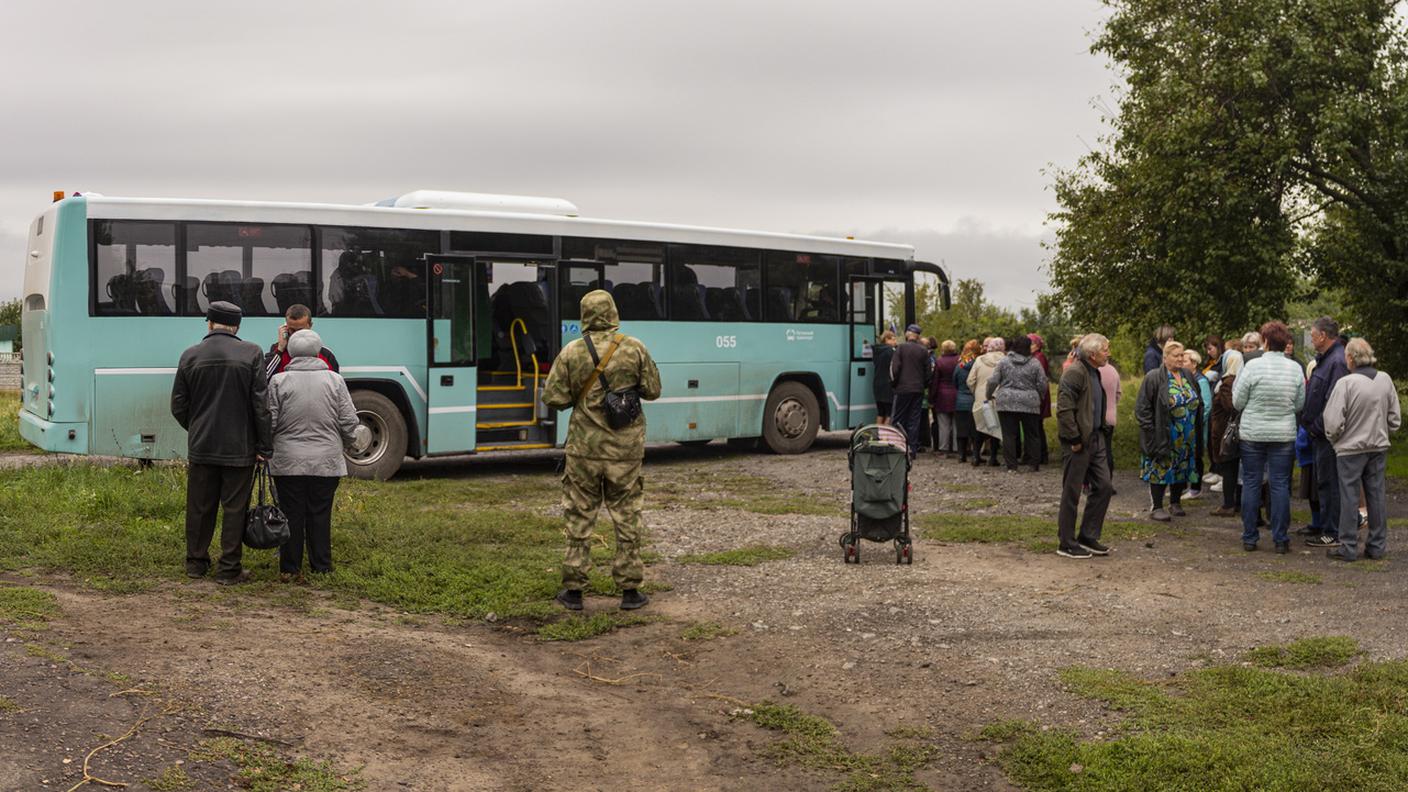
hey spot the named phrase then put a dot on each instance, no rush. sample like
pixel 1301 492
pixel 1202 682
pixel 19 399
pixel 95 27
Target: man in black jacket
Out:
pixel 910 371
pixel 218 398
pixel 1080 421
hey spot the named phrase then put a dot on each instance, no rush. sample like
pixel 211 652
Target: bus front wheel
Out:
pixel 790 419
pixel 380 442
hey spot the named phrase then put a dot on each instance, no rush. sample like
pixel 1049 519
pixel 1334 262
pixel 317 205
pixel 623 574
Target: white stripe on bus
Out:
pixel 388 370
pixel 445 410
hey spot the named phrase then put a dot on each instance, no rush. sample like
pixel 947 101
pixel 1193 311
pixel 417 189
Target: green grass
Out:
pixel 1290 576
pixel 8 704
pixel 262 769
pixel 706 631
pixel 743 556
pixel 813 742
pixel 1224 728
pixel 172 779
pixel 580 628
pixel 10 439
pixel 26 608
pixel 463 547
pixel 1319 652
pixel 1035 533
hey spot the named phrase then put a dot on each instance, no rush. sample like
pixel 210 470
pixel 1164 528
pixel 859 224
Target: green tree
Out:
pixel 1254 142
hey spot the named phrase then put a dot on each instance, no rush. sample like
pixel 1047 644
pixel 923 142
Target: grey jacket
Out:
pixel 1016 384
pixel 1363 408
pixel 313 420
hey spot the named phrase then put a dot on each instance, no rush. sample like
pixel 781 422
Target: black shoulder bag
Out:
pixel 266 527
pixel 622 406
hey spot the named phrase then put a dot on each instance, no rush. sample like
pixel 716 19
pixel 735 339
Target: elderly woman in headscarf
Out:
pixel 313 420
pixel 1226 457
pixel 1167 412
pixel 988 430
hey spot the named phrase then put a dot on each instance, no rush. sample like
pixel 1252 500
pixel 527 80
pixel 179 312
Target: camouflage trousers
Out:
pixel 586 484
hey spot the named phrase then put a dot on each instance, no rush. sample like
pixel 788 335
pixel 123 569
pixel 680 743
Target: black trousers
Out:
pixel 1014 425
pixel 208 488
pixel 909 407
pixel 307 503
pixel 1088 466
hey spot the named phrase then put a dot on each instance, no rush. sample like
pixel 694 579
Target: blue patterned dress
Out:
pixel 1182 430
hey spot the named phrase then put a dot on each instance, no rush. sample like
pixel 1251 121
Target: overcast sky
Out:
pixel 923 122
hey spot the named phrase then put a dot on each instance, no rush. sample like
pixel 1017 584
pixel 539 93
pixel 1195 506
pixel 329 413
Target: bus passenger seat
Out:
pixel 780 304
pixel 120 291
pixel 293 288
pixel 186 295
pixel 726 305
pixel 222 285
pixel 687 297
pixel 252 296
pixel 147 287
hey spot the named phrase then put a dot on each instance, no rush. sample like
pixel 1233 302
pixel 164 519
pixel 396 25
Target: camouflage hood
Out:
pixel 599 311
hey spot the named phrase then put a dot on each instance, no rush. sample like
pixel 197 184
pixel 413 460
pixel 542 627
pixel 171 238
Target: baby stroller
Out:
pixel 879 460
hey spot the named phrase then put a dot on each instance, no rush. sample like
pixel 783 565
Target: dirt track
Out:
pixel 968 635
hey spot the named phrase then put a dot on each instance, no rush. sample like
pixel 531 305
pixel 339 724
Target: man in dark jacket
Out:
pixel 218 398
pixel 1154 353
pixel 1329 369
pixel 1080 420
pixel 298 317
pixel 910 371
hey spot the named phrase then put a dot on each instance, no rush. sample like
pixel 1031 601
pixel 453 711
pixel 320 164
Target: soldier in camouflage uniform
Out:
pixel 603 464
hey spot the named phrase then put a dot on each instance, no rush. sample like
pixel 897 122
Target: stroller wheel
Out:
pixel 852 553
pixel 907 552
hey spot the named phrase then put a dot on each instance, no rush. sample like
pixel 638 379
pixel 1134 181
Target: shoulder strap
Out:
pixel 599 371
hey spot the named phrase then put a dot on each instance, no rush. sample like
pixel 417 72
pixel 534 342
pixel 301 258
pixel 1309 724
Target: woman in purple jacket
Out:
pixel 943 398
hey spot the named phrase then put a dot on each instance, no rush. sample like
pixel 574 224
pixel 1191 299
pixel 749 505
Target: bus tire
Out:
pixel 790 418
pixel 380 446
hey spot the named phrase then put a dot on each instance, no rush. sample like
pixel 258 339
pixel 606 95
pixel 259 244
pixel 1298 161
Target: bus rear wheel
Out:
pixel 380 443
pixel 790 419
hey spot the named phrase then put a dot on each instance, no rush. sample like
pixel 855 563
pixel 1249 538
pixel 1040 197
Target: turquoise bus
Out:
pixel 445 311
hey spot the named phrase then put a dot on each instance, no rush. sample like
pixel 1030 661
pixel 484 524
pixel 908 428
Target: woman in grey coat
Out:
pixel 1015 386
pixel 313 421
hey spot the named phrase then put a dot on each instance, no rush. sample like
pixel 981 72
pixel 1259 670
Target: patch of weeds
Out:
pixel 10 439
pixel 172 779
pixel 39 650
pixel 743 556
pixel 973 504
pixel 26 608
pixel 706 631
pixel 1370 565
pixel 1006 730
pixel 8 704
pixel 1290 576
pixel 1223 728
pixel 117 678
pixel 813 742
pixel 741 491
pixel 262 769
pixel 1036 533
pixel 579 628
pixel 1319 652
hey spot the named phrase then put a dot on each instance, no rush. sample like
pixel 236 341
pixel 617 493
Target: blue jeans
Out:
pixel 1257 457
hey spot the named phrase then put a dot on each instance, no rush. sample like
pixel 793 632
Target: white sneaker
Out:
pixel 1193 494
pixel 1212 479
pixel 1216 487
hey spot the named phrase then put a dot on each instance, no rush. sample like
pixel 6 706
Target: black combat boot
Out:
pixel 632 599
pixel 569 599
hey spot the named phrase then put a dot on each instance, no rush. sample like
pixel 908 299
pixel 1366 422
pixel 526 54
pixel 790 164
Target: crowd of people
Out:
pixel 1233 417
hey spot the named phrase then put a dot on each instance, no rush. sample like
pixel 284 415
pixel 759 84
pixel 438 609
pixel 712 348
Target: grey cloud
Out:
pixel 777 116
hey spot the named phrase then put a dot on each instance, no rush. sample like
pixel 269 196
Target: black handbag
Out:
pixel 622 406
pixel 266 527
pixel 1232 435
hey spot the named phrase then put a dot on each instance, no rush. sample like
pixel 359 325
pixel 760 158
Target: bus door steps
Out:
pixel 514 447
pixel 492 435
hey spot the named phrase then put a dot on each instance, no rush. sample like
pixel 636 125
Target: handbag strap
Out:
pixel 600 371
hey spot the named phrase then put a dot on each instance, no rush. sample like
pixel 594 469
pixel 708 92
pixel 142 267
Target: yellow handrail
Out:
pixel 518 367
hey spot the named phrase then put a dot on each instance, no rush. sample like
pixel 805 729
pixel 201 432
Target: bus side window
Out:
pixel 134 268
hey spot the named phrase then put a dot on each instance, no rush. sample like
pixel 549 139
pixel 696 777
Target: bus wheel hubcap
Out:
pixel 368 440
pixel 791 419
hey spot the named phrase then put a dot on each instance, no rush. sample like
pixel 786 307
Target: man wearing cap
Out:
pixel 910 370
pixel 218 398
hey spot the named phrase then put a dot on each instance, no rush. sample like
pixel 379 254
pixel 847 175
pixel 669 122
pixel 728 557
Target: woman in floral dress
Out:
pixel 1167 411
